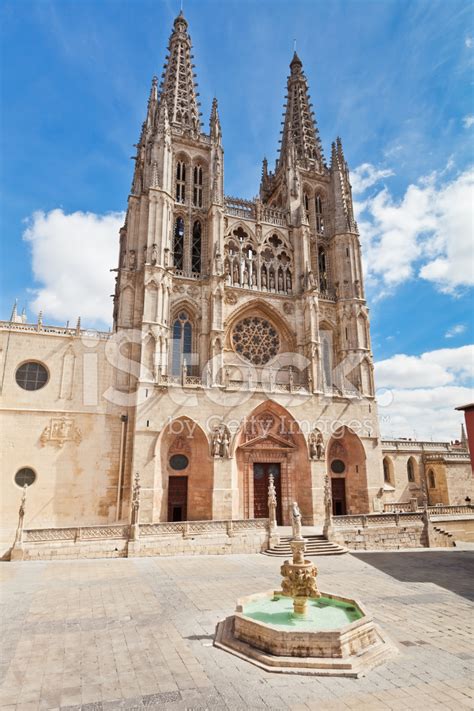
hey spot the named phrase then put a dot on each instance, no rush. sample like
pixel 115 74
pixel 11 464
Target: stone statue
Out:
pixel 272 502
pixel 254 277
pixel 132 259
pixel 316 445
pixel 288 281
pixel 225 447
pixel 280 282
pixel 246 277
pixel 218 263
pixel 217 442
pixel 296 521
pixel 310 280
pixel 227 274
pixel 264 278
pixel 272 280
pixel 236 274
pixel 154 254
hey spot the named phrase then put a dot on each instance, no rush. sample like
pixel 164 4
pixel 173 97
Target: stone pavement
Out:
pixel 137 634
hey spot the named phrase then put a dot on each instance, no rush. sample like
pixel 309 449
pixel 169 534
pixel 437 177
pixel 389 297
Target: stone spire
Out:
pixel 344 213
pixel 299 125
pixel 14 316
pixel 178 86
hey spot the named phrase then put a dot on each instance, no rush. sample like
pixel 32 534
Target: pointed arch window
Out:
pixel 322 266
pixel 431 479
pixel 180 181
pixel 319 215
pixel 178 243
pixel 387 473
pixel 197 186
pixel 182 343
pixel 410 471
pixel 196 248
pixel 306 205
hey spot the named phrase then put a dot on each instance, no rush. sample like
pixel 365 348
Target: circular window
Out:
pixel 179 462
pixel 338 466
pixel 25 476
pixel 31 376
pixel 256 340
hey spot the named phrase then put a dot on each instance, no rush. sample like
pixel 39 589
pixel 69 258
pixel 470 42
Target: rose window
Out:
pixel 256 340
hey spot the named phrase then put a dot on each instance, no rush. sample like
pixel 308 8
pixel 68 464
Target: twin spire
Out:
pixel 300 132
pixel 178 87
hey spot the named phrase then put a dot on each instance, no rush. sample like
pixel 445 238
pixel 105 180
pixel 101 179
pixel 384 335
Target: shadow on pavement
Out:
pixel 453 570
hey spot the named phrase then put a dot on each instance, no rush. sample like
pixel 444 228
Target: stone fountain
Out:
pixel 299 629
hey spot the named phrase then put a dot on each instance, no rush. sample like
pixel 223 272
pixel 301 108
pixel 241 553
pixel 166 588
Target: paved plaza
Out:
pixel 137 633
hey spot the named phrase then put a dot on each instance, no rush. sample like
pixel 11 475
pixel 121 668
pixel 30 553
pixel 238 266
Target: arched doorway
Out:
pixel 270 442
pixel 347 469
pixel 186 472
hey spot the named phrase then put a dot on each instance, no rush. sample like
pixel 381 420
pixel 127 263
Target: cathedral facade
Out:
pixel 258 306
pixel 240 349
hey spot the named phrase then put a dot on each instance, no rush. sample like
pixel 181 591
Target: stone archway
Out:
pixel 347 469
pixel 185 475
pixel 270 440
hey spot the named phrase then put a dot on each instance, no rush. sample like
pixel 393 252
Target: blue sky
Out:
pixel 394 78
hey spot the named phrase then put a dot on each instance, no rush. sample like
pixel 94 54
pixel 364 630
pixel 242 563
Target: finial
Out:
pixel 40 320
pixel 14 316
pixel 78 326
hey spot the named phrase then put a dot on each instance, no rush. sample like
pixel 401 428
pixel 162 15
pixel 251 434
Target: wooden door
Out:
pixel 338 496
pixel 177 498
pixel 261 477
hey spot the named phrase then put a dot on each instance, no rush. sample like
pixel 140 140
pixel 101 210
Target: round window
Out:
pixel 25 476
pixel 179 462
pixel 338 466
pixel 31 376
pixel 256 340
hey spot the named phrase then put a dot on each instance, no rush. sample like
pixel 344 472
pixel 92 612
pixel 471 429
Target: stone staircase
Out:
pixel 315 545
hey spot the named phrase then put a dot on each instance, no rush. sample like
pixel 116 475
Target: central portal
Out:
pixel 261 477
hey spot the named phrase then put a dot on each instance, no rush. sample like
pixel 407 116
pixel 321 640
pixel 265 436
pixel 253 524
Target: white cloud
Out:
pixel 72 255
pixel 366 175
pixel 428 232
pixel 468 121
pixel 425 389
pixel 455 330
pixel 469 42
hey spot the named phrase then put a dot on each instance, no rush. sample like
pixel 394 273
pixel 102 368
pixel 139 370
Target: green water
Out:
pixel 323 613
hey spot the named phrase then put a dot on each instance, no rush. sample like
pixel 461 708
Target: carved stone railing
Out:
pixel 274 216
pixel 441 509
pixel 54 330
pixel 240 208
pixel 428 448
pixel 122 531
pixel 368 520
pixel 187 275
pixel 447 456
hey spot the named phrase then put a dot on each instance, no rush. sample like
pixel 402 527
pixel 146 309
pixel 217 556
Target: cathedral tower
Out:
pixel 253 327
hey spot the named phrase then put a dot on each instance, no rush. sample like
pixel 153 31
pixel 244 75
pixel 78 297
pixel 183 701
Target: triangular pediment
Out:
pixel 269 441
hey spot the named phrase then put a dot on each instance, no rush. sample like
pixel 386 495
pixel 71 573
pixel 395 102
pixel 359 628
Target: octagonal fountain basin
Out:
pixel 336 636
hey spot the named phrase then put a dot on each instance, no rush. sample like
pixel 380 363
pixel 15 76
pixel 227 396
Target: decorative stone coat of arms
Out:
pixel 59 431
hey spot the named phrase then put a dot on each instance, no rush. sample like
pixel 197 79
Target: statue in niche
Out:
pixel 216 442
pixel 280 282
pixel 296 521
pixel 225 444
pixel 167 257
pixel 218 263
pixel 227 274
pixel 154 254
pixel 132 262
pixel 264 279
pixel 236 274
pixel 288 281
pixel 245 277
pixel 316 445
pixel 272 280
pixel 221 442
pixel 310 280
pixel 254 277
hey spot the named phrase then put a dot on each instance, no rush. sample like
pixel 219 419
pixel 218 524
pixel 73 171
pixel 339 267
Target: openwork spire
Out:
pixel 177 86
pixel 299 126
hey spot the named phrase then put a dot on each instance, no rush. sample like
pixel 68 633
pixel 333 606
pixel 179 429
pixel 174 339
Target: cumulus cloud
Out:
pixel 468 121
pixel 427 233
pixel 455 330
pixel 424 390
pixel 366 175
pixel 72 255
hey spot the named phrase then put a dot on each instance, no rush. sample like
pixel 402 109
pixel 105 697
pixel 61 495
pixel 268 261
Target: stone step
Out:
pixel 315 545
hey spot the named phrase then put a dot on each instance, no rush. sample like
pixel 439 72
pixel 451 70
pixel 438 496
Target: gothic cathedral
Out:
pixel 243 322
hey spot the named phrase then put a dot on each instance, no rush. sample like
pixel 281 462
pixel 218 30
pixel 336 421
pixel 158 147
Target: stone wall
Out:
pixel 388 532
